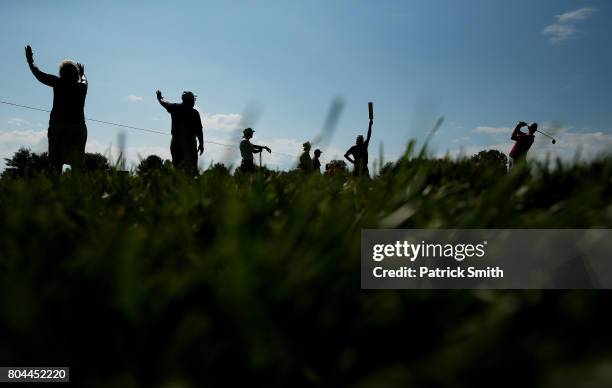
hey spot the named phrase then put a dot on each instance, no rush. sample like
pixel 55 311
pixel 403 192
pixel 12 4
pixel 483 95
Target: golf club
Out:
pixel 547 135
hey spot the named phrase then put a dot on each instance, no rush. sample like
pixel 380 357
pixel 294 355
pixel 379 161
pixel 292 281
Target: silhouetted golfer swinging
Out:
pixel 186 127
pixel 359 153
pixel 247 150
pixel 523 141
pixel 67 132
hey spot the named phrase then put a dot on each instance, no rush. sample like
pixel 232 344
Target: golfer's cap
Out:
pixel 189 94
pixel 248 130
pixel 318 151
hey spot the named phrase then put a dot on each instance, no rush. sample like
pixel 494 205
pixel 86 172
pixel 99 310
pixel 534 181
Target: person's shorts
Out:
pixel 247 165
pixel 184 152
pixel 67 143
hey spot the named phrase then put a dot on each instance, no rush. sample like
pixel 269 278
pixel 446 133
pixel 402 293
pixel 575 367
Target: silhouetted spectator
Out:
pixel 186 127
pixel 523 141
pixel 359 153
pixel 305 163
pixel 67 132
pixel 247 150
pixel 316 163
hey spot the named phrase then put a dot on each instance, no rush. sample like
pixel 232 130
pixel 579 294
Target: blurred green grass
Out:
pixel 166 280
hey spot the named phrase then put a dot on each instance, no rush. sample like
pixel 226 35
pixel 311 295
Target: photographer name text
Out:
pixel 403 250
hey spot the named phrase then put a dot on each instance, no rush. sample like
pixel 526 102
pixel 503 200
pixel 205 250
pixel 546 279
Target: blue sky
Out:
pixel 482 64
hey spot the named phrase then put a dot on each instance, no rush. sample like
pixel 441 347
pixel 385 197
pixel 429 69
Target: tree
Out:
pixel 96 162
pixel 491 158
pixel 336 168
pixel 149 164
pixel 25 163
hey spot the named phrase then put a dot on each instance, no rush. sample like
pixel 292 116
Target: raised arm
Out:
pixel 367 140
pixel 161 100
pixel 517 131
pixel 47 79
pixel 82 77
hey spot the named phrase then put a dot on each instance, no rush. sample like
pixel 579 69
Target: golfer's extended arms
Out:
pixel 517 131
pixel 367 141
pixel 47 79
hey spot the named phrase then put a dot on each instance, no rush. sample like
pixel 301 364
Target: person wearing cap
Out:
pixel 247 149
pixel 305 163
pixel 359 153
pixel 523 141
pixel 186 127
pixel 316 163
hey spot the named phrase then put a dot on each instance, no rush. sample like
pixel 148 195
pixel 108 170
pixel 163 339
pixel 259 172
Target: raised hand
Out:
pixel 29 54
pixel 159 95
pixel 81 69
pixel 268 149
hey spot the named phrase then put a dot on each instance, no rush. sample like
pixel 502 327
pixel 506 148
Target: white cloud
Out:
pixel 134 98
pixel 576 15
pixel 559 32
pixel 18 121
pixel 461 139
pixel 565 27
pixel 491 130
pixel 222 122
pixel 11 141
pixel 575 145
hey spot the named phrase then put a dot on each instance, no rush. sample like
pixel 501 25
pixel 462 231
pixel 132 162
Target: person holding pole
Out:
pixel 247 149
pixel 358 154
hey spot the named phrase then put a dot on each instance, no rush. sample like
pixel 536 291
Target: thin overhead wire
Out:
pixel 132 127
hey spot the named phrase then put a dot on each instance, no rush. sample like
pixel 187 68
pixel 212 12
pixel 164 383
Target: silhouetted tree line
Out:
pixel 26 163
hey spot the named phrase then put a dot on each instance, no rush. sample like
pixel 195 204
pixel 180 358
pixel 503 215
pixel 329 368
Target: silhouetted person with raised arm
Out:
pixel 247 149
pixel 316 163
pixel 523 141
pixel 67 132
pixel 358 154
pixel 305 163
pixel 186 127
